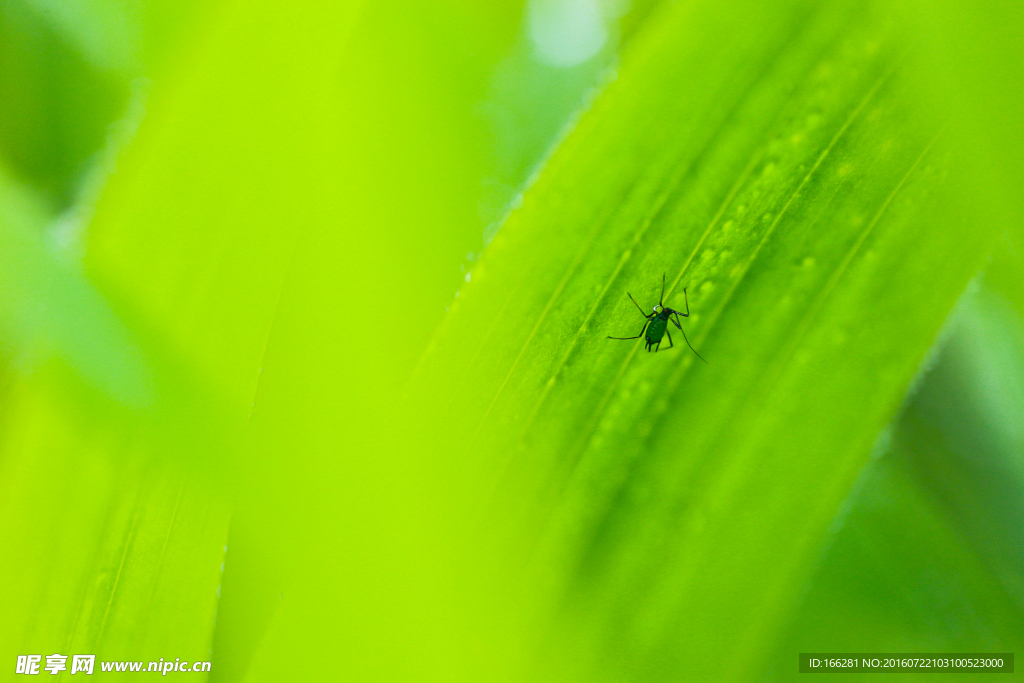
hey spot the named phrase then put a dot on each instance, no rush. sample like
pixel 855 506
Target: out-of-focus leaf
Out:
pixel 287 229
pixel 107 33
pixel 48 307
pixel 926 556
pixel 56 103
pixel 107 551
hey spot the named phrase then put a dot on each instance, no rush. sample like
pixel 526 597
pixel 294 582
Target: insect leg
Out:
pixel 637 336
pixel 690 345
pixel 670 344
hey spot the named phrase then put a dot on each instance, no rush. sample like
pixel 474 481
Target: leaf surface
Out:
pixel 772 163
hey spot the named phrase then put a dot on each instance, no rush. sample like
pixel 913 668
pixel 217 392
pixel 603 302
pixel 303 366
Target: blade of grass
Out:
pixel 651 507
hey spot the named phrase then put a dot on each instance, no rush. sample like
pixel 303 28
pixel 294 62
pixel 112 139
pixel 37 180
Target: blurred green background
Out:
pixel 302 319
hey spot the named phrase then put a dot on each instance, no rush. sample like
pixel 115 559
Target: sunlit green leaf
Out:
pixel 775 168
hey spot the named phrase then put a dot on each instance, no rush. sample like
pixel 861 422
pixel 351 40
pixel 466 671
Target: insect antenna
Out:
pixel 636 304
pixel 661 301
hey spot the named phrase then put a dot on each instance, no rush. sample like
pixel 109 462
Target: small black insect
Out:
pixel 657 322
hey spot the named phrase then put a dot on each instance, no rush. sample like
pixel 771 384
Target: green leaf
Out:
pixel 538 502
pixel 926 554
pixel 242 234
pixel 113 554
pixel 772 163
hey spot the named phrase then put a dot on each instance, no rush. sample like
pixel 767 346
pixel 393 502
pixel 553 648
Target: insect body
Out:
pixel 656 327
